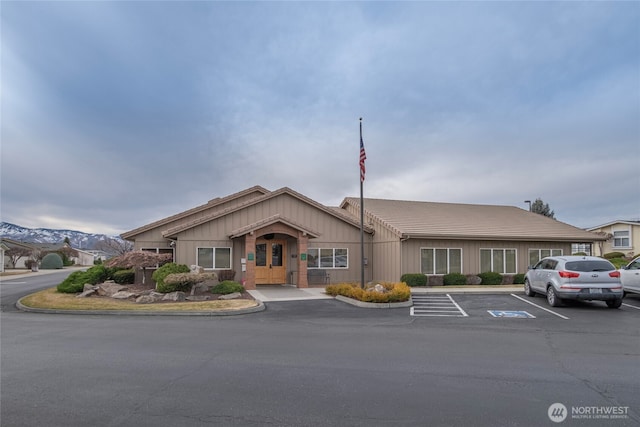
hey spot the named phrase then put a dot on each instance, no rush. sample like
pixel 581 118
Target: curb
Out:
pixel 249 310
pixel 362 304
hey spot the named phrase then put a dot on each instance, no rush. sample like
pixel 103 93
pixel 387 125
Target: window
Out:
pixel 214 258
pixel 501 261
pixel 440 261
pixel 581 248
pixel 621 239
pixel 536 255
pixel 327 258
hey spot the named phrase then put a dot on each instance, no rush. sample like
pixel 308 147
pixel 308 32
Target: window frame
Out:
pixel 434 266
pixel 627 237
pixel 213 256
pixel 540 256
pixel 504 259
pixel 319 256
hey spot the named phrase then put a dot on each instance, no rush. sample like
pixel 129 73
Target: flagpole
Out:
pixel 361 210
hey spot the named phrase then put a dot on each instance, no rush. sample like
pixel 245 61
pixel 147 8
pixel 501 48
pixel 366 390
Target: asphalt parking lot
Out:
pixel 517 307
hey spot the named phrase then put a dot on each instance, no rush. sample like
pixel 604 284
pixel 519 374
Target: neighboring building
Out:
pixel 10 244
pixel 82 258
pixel 3 247
pixel 284 237
pixel 623 236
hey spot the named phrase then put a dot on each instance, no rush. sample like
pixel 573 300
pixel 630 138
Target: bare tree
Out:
pixel 115 246
pixel 139 259
pixel 15 253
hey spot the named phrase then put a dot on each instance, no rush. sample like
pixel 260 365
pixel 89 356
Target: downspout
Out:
pixel 402 240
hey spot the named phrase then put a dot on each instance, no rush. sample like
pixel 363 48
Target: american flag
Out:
pixel 363 157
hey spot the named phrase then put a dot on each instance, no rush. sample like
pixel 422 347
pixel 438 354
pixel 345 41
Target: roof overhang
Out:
pixel 266 222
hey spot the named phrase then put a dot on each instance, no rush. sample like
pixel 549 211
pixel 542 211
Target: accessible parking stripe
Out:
pixel 629 305
pixel 436 305
pixel 540 307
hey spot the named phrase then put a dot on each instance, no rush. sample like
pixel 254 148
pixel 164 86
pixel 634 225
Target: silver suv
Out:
pixel 575 277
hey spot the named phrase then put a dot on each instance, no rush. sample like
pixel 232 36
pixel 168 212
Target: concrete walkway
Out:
pixel 291 293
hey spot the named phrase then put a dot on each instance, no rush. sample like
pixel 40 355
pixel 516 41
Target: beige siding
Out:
pixel 606 247
pixel 471 252
pixel 334 233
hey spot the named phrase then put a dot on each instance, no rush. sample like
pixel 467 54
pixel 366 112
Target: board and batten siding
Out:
pixel 471 252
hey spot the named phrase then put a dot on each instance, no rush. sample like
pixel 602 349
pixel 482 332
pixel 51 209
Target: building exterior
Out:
pixel 278 237
pixel 622 236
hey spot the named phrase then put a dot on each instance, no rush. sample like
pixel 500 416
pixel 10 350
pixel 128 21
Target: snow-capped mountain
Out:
pixel 78 239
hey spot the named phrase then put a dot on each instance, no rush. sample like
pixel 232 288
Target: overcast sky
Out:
pixel 117 114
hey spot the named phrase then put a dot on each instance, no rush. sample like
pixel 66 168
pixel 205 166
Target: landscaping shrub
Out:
pixel 75 281
pixel 436 280
pixel 518 279
pixel 490 278
pixel 619 262
pixel 454 279
pixel 124 277
pixel 414 279
pixel 51 261
pixel 227 287
pixel 580 254
pixel 161 273
pixel 612 255
pixel 395 292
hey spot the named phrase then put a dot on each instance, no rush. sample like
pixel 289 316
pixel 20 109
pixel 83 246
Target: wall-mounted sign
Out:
pixel 303 257
pixel 250 256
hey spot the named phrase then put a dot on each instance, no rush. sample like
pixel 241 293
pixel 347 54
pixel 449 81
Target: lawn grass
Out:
pixel 52 299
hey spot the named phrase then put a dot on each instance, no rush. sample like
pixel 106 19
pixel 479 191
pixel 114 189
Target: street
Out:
pixel 324 363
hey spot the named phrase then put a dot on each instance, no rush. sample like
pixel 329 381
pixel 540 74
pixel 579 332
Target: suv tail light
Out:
pixel 568 274
pixel 614 274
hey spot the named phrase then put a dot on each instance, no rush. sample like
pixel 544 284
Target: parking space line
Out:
pixel 540 307
pixel 629 305
pixel 434 305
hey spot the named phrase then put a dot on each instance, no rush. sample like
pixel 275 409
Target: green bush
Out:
pixel 124 277
pixel 518 279
pixel 612 255
pixel 454 279
pixel 51 261
pixel 75 281
pixel 580 254
pixel 227 287
pixel 414 279
pixel 161 273
pixel 490 278
pixel 619 262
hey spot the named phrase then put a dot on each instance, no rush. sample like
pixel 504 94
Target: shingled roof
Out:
pixel 411 219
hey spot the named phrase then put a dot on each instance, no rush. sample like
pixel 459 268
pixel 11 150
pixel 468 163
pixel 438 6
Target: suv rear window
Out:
pixel 589 266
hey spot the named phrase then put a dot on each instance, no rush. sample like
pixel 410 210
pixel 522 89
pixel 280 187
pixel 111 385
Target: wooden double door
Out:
pixel 271 265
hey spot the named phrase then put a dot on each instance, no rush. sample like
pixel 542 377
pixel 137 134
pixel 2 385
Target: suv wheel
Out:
pixel 552 298
pixel 616 303
pixel 527 289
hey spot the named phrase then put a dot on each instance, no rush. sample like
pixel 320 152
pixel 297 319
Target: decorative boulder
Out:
pixel 174 296
pixel 233 295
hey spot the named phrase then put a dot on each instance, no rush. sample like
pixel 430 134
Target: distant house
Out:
pixel 82 257
pixel 278 237
pixel 3 248
pixel 622 236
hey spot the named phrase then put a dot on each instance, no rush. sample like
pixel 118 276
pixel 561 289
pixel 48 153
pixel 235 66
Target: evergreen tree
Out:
pixel 542 208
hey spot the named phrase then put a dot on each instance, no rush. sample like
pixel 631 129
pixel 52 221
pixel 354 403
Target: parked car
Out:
pixel 584 278
pixel 630 277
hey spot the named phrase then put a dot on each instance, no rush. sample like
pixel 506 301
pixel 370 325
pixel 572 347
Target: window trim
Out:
pixel 333 257
pixel 213 250
pixel 515 251
pixel 627 237
pixel 551 250
pixel 433 269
